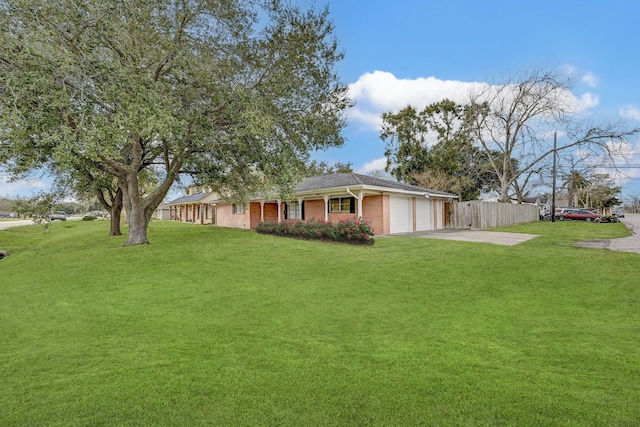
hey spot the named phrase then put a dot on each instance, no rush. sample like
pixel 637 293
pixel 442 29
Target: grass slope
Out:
pixel 212 326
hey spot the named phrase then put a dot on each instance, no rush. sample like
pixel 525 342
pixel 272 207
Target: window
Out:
pixel 293 211
pixel 239 209
pixel 342 204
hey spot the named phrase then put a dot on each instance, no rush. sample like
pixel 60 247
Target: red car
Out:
pixel 579 214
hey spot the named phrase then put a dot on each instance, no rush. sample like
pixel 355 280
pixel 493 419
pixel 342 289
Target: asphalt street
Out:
pixel 624 244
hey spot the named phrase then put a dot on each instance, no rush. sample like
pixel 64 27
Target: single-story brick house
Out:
pixel 391 207
pixel 196 207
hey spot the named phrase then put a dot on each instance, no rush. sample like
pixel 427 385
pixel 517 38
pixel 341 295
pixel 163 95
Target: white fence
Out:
pixel 479 215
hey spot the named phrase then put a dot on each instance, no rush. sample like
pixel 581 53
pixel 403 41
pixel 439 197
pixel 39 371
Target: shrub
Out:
pixel 347 230
pixel 88 218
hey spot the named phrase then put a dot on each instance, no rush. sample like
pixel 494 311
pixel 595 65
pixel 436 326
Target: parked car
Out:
pixel 618 213
pixel 578 214
pixel 62 216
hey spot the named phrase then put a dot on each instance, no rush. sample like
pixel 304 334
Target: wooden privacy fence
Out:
pixel 479 215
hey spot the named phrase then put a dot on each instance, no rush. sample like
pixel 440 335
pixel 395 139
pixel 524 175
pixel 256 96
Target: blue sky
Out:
pixel 412 51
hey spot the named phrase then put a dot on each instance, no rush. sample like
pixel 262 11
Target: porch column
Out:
pixel 279 217
pixel 360 197
pixel 261 210
pixel 326 208
pixel 300 200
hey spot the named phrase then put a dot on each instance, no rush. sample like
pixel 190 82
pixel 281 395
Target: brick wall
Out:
pixel 314 209
pixel 373 210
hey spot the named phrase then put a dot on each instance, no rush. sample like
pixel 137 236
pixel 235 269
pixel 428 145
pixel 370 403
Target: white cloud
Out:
pixel 381 91
pixel 630 112
pixel 586 101
pixel 590 80
pixel 374 165
pixel 569 70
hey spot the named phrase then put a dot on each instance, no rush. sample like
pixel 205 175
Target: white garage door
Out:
pixel 424 215
pixel 400 215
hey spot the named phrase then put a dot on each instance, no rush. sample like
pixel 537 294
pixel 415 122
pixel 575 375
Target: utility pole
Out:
pixel 553 188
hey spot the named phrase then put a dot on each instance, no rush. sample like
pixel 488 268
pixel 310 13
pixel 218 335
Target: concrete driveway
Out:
pixel 624 244
pixel 494 237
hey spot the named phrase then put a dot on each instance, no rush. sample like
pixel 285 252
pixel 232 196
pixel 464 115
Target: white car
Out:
pixel 62 216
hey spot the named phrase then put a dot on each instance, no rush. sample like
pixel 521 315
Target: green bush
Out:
pixel 88 218
pixel 347 230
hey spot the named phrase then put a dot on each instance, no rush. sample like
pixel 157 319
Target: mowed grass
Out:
pixel 213 326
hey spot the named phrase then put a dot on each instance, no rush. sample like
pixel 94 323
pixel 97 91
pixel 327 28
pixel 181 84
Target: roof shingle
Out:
pixel 354 179
pixel 189 199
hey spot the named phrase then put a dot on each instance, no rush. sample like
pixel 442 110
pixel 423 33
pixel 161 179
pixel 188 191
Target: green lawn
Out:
pixel 211 326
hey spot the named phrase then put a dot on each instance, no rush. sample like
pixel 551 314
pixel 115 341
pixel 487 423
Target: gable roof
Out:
pixel 336 180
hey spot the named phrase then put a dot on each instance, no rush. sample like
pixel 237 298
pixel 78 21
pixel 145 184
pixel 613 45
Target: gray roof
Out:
pixel 189 199
pixel 541 199
pixel 354 180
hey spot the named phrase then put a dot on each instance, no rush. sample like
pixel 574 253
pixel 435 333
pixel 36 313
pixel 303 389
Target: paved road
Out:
pixel 624 244
pixel 8 224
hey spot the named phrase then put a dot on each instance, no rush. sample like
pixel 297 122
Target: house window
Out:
pixel 239 209
pixel 293 211
pixel 342 204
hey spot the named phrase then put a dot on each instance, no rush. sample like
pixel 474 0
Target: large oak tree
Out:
pixel 236 92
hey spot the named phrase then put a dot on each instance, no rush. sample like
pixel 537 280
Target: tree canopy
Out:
pixel 434 148
pixel 235 92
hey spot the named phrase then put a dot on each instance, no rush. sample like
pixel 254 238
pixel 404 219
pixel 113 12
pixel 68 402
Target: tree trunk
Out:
pixel 504 191
pixel 137 227
pixel 116 211
pixel 135 210
pixel 140 210
pixel 113 204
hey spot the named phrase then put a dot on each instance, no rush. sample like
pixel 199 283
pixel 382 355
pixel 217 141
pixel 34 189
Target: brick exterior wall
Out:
pixel 314 209
pixel 271 212
pixel 373 210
